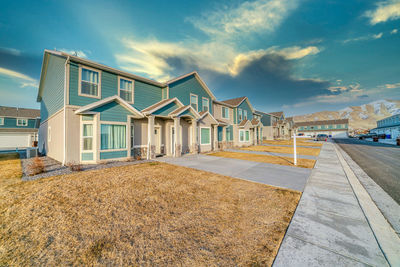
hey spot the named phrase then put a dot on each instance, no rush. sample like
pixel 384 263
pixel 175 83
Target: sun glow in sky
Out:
pixel 296 56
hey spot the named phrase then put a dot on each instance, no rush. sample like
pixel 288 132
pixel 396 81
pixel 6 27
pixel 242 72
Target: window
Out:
pixel 244 135
pixel 22 122
pixel 225 112
pixel 113 136
pixel 1 121
pixel 205 136
pixel 126 90
pixel 90 82
pixel 205 104
pixel 87 137
pixel 240 114
pixel 245 114
pixel 229 136
pixel 241 135
pixel 132 134
pixel 247 136
pixel 194 101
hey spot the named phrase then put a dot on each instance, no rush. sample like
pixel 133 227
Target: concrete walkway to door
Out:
pixel 265 173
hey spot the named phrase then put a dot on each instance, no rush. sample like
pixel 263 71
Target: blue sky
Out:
pixel 296 56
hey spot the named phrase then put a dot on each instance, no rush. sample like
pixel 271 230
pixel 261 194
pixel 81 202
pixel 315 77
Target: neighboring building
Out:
pixel 18 127
pixel 389 126
pixel 275 126
pixel 333 128
pixel 92 113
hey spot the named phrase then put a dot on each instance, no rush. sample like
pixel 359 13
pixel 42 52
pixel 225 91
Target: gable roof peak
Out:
pixel 234 101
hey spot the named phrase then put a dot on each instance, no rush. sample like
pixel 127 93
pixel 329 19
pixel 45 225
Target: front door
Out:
pixel 157 137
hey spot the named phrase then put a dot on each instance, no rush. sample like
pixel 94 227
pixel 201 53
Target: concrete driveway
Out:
pixel 265 173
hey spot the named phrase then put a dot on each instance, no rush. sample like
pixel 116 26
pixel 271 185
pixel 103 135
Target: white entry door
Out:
pixel 157 137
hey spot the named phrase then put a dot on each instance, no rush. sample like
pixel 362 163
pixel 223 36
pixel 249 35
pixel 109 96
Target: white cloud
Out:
pixel 78 53
pixel 364 38
pixel 392 86
pixel 394 31
pixel 25 81
pixel 12 51
pixel 385 10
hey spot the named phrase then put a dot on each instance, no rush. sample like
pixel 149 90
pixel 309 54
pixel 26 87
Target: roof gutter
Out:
pixel 65 111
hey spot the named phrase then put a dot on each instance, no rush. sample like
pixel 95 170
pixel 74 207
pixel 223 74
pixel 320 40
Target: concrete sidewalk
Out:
pixel 272 174
pixel 271 153
pixel 329 227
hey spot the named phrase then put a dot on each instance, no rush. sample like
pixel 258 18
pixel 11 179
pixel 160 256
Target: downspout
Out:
pixel 65 115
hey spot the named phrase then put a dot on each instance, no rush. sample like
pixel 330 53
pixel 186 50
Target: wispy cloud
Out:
pixel 12 51
pixel 385 10
pixel 78 53
pixel 392 85
pixel 25 81
pixel 364 38
pixel 394 31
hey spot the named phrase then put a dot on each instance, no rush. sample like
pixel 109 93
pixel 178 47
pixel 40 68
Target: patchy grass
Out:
pixel 300 142
pixel 10 169
pixel 145 214
pixel 302 163
pixel 285 149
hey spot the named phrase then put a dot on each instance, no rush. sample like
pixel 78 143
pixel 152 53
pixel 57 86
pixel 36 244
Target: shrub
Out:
pixel 75 167
pixel 36 166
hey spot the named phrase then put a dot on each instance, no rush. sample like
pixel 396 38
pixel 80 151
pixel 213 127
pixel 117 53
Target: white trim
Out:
pixel 197 101
pixel 48 134
pixel 148 112
pixel 2 119
pixel 244 114
pixel 244 136
pixel 132 101
pixel 197 115
pixel 201 134
pixel 208 105
pixel 212 117
pixel 172 127
pixel 222 112
pixel 159 127
pixel 108 100
pixel 95 137
pixel 240 112
pixel 80 82
pixel 139 146
pixel 198 78
pixel 22 125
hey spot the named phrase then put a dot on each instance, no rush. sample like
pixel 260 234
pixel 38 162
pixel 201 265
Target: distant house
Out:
pixel 389 126
pixel 18 127
pixel 334 128
pixel 275 125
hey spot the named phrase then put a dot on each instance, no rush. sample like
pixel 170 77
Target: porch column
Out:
pixel 224 141
pixel 260 138
pixel 255 136
pixel 151 148
pixel 195 145
pixel 178 146
pixel 215 137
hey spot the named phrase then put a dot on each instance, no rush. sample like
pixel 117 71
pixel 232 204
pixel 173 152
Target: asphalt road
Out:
pixel 380 161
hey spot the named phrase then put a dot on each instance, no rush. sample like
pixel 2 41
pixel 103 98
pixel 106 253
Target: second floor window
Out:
pixel 1 121
pixel 90 82
pixel 206 104
pixel 22 122
pixel 194 101
pixel 240 114
pixel 245 114
pixel 225 112
pixel 126 90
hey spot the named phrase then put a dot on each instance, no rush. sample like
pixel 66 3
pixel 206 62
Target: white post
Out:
pixel 294 150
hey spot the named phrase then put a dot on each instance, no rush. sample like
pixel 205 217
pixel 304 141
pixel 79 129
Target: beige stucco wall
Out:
pixel 218 113
pixel 72 135
pixel 55 147
pixel 268 133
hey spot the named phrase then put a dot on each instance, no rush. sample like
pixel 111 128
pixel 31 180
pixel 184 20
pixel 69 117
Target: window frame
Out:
pixel 127 146
pixel 197 101
pixel 83 150
pixel 201 134
pixel 244 136
pixel 98 96
pixel 23 119
pixel 222 112
pixel 202 104
pixel 240 114
pixel 132 101
pixel 247 133
pixel 245 114
pixel 2 120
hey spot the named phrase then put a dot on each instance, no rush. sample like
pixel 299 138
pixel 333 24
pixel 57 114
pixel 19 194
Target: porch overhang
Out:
pixel 88 108
pixel 185 111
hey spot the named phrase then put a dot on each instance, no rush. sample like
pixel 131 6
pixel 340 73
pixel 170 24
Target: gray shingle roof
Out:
pixel 19 112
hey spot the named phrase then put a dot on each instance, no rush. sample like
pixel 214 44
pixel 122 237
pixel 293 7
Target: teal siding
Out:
pixel 245 106
pixel 144 94
pixel 113 154
pixel 187 112
pixel 182 89
pixel 220 133
pixel 53 87
pixel 112 112
pixel 87 156
pixel 164 111
pixel 229 133
pixel 266 120
pixel 12 123
pixel 87 117
pixel 235 115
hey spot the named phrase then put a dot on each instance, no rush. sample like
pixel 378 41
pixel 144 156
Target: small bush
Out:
pixel 36 167
pixel 75 167
pixel 137 157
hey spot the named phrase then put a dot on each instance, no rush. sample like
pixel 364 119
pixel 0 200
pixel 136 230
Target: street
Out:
pixel 380 161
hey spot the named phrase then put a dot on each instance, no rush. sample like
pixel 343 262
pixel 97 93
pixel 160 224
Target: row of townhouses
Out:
pixel 92 113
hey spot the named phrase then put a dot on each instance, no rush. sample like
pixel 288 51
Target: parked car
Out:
pixel 321 137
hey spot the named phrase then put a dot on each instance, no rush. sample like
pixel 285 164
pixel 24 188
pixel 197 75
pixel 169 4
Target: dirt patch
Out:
pixel 300 142
pixel 284 149
pixel 145 214
pixel 302 163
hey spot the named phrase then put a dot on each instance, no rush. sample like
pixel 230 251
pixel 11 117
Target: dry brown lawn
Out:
pixel 285 149
pixel 302 163
pixel 300 142
pixel 145 214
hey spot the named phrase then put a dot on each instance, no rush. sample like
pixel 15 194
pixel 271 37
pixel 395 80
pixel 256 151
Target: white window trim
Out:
pixel 83 137
pixel 2 119
pixel 209 134
pixel 127 137
pixel 222 112
pixel 197 101
pixel 208 103
pixel 80 82
pixel 240 114
pixel 245 114
pixel 244 136
pixel 18 124
pixel 133 88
